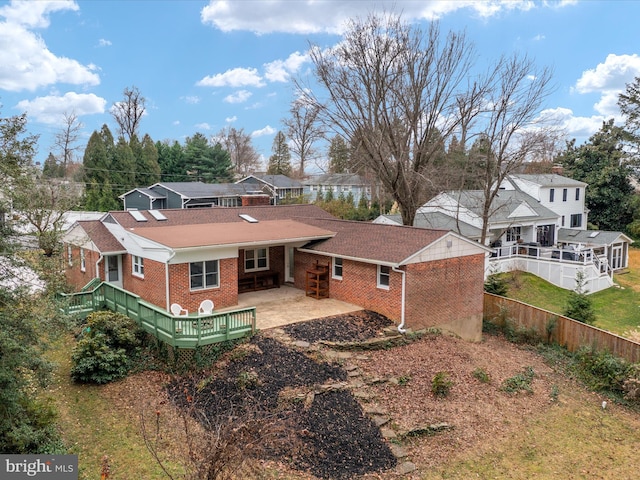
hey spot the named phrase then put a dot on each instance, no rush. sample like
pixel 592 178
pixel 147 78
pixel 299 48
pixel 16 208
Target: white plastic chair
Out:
pixel 178 311
pixel 206 307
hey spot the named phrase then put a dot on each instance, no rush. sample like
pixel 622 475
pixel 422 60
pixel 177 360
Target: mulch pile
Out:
pixel 327 434
pixel 351 327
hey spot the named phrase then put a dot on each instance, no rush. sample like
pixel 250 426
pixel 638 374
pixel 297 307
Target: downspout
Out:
pixel 401 328
pixel 100 258
pixel 166 278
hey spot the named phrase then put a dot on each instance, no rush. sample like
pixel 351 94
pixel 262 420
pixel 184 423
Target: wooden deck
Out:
pixel 178 331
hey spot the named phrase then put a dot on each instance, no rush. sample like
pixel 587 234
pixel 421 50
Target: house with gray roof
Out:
pixel 278 187
pixel 537 223
pixel 339 184
pixel 190 195
pixel 430 278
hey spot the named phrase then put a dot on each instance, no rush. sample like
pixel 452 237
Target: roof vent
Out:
pixel 593 234
pixel 248 218
pixel 138 215
pixel 158 215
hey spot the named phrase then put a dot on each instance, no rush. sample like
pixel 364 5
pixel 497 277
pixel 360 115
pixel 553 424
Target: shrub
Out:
pixel 519 382
pixel 441 385
pixel 579 306
pixel 496 284
pixel 601 370
pixel 107 348
pixel 481 375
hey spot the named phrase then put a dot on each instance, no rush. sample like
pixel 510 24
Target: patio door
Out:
pixel 113 269
pixel 289 265
pixel 616 257
pixel 545 235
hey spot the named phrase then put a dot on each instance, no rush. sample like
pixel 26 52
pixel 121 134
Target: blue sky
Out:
pixel 205 65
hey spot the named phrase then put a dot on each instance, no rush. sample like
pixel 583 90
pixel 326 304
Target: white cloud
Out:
pixel 575 127
pixel 613 74
pixel 27 64
pixel 331 17
pixel 236 77
pixel 539 38
pixel 203 126
pixel 104 42
pixel 231 119
pixel 240 96
pixel 268 130
pixel 34 14
pixel 191 99
pixel 51 109
pixel 281 70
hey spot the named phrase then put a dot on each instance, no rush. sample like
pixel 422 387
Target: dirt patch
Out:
pixel 334 432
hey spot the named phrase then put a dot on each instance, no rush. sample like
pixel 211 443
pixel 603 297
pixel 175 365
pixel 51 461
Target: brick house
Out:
pixel 416 277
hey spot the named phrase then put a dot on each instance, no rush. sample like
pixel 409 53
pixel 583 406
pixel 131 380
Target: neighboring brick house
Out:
pixel 416 277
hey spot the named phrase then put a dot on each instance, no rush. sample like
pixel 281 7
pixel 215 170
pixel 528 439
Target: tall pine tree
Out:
pixel 280 160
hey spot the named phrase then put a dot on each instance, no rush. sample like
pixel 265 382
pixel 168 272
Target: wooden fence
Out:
pixel 567 332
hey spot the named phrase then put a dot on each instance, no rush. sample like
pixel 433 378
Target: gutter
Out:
pixel 166 278
pixel 401 328
pixel 100 258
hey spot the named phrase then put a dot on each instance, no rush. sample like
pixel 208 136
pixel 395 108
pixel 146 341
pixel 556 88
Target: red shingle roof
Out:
pixel 101 237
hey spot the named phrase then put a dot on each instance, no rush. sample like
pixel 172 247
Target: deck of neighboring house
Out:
pixel 557 266
pixel 256 310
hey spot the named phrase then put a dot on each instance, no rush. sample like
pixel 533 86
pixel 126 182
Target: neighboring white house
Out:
pixel 537 223
pixel 339 184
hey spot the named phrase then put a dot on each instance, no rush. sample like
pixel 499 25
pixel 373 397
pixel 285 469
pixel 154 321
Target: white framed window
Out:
pixel 384 273
pixel 137 266
pixel 552 192
pixel 204 275
pixel 337 268
pixel 256 259
pixel 83 263
pixel 577 194
pixel 514 234
pixel 70 255
pixel 564 194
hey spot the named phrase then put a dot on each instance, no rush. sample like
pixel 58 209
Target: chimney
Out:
pixel 557 169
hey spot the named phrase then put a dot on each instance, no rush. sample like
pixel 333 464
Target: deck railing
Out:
pixel 178 331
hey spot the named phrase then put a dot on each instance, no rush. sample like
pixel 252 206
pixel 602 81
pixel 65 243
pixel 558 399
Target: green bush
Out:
pixel 496 284
pixel 107 348
pixel 481 375
pixel 441 385
pixel 519 382
pixel 601 370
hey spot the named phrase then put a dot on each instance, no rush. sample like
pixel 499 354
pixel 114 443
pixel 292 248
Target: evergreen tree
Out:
pixel 171 161
pixel 147 170
pixel 280 160
pixel 51 168
pixel 205 162
pixel 579 306
pixel 338 155
pixel 123 169
pixel 603 164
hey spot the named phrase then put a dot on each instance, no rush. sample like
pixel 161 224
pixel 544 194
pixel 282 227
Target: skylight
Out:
pixel 248 218
pixel 593 234
pixel 138 215
pixel 157 215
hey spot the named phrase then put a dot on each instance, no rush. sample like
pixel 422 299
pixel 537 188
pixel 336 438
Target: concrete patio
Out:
pixel 285 305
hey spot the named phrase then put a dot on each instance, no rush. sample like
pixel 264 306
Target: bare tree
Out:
pixel 510 132
pixel 303 130
pixel 66 139
pixel 129 112
pixel 243 155
pixel 394 90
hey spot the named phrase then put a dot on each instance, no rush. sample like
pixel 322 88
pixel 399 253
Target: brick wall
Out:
pixel 358 285
pixel 74 275
pixel 226 295
pixel 446 293
pixel 151 288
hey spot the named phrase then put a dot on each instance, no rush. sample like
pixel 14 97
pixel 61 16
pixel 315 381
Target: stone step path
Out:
pixel 358 386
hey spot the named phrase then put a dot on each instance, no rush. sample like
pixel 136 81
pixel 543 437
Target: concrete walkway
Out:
pixel 285 305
